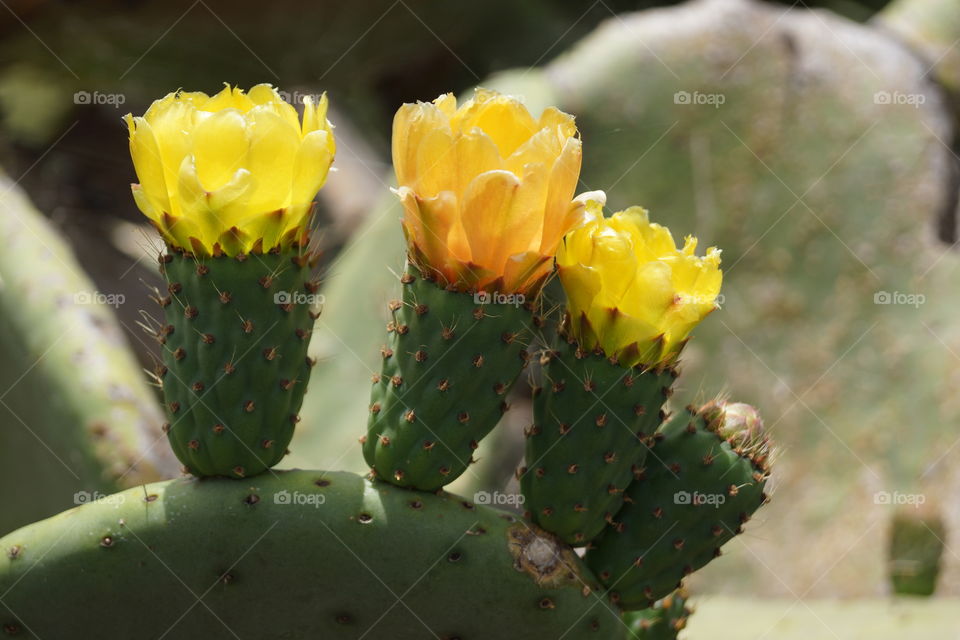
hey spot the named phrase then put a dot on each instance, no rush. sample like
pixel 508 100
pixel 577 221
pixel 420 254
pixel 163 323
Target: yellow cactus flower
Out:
pixel 232 173
pixel 630 292
pixel 487 189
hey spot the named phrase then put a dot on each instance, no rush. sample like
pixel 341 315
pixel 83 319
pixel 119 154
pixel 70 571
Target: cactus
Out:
pixel 294 554
pixel 592 421
pixel 663 621
pixel 915 548
pixel 77 414
pixel 446 371
pixel 705 479
pixel 235 363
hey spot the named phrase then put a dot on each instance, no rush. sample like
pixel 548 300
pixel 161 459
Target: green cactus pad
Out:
pixel 915 550
pixel 663 621
pixel 235 363
pixel 705 477
pixel 294 554
pixel 447 368
pixel 592 424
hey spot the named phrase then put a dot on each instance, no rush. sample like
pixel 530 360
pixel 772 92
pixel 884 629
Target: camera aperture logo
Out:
pixel 697 499
pixel 96 297
pixel 88 497
pixel 497 499
pixel 486 297
pixel 299 499
pixel 298 297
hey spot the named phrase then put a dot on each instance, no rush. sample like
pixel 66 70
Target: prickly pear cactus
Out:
pixel 591 426
pixel 296 554
pixel 235 363
pixel 705 479
pixel 450 360
pixel 490 214
pixel 76 414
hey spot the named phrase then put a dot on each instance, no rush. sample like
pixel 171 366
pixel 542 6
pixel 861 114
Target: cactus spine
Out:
pixel 705 478
pixel 447 368
pixel 592 422
pixel 235 363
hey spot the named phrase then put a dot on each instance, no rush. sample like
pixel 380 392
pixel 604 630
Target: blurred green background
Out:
pixel 828 176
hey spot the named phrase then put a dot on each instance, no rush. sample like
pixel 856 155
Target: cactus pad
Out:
pixel 235 364
pixel 447 368
pixel 592 422
pixel 705 477
pixel 294 554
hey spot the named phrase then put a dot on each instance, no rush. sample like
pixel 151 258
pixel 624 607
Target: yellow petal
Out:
pixel 311 167
pixel 220 145
pixel 410 125
pixel 149 165
pixel 430 222
pixel 504 119
pixel 271 158
pixel 488 216
pixel 560 216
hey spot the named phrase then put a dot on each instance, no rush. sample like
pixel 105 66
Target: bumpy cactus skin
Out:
pixel 235 358
pixel 592 423
pixel 662 621
pixel 704 479
pixel 447 368
pixel 296 554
